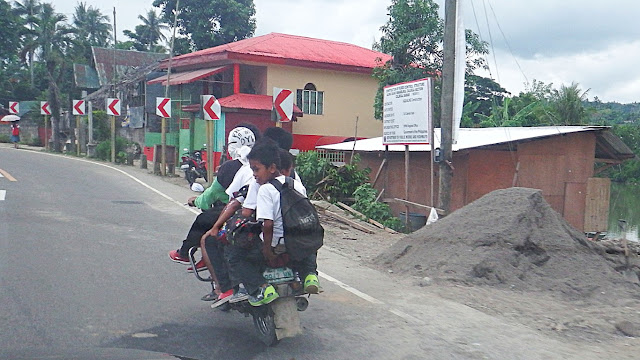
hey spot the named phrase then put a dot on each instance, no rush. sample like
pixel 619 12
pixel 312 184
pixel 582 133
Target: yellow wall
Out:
pixel 346 96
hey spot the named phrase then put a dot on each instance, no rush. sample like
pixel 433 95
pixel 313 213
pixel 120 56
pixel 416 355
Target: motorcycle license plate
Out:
pixel 279 274
pixel 184 167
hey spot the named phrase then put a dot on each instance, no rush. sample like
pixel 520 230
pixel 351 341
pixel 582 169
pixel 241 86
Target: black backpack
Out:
pixel 303 234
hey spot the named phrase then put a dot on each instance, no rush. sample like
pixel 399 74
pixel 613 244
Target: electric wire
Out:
pixel 493 50
pixel 507 42
pixel 486 58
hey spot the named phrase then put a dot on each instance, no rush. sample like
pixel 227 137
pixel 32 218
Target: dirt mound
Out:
pixel 509 238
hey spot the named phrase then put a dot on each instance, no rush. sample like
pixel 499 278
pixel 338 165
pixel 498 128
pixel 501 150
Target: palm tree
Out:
pixel 149 33
pixel 54 41
pixel 28 9
pixel 154 27
pixel 566 104
pixel 91 25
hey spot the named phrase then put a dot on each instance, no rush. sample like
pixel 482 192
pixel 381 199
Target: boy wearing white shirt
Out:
pixel 264 160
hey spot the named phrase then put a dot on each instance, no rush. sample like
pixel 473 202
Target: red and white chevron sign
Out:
pixel 163 107
pixel 283 103
pixel 211 107
pixel 78 107
pixel 44 108
pixel 14 107
pixel 113 106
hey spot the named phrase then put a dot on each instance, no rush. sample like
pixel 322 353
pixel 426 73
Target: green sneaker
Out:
pixel 264 296
pixel 311 284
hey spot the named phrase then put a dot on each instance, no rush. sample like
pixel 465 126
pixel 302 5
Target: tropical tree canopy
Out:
pixel 209 23
pixel 414 35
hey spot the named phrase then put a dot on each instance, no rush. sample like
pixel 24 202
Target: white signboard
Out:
pixel 407 113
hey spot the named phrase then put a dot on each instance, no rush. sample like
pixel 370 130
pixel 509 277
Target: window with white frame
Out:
pixel 310 100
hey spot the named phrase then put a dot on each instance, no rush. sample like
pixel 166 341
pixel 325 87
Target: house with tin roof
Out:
pixel 332 83
pixel 562 161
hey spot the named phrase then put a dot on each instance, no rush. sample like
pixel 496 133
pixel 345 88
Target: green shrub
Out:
pixel 324 180
pixel 101 126
pixel 365 202
pixel 5 138
pixel 103 150
pixel 312 169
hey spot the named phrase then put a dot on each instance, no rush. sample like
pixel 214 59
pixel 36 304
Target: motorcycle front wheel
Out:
pixel 190 176
pixel 265 324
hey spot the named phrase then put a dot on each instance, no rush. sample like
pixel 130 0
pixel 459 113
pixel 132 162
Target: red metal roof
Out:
pixel 187 76
pixel 290 50
pixel 252 102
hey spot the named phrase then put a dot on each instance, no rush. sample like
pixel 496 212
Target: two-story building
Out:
pixel 332 82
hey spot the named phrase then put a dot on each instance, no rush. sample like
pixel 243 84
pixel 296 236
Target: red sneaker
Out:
pixel 222 299
pixel 175 256
pixel 200 265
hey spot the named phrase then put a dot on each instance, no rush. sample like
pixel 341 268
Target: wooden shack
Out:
pixel 562 161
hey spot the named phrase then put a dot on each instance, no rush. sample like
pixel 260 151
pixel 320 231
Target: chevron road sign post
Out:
pixel 14 107
pixel 113 109
pixel 78 110
pixel 211 107
pixel 163 107
pixel 283 104
pixel 44 110
pixel 79 107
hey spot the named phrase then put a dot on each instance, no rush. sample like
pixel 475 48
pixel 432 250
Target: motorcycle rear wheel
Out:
pixel 265 324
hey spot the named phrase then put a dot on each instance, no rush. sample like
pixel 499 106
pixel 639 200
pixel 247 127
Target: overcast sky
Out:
pixel 593 43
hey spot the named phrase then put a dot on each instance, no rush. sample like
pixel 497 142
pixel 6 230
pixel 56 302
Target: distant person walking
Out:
pixel 15 134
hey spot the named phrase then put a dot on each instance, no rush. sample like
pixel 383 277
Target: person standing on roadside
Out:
pixel 15 134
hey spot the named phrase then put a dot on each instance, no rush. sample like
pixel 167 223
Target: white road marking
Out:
pixel 370 299
pixel 351 289
pixel 3 194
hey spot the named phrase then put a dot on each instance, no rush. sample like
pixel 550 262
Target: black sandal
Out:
pixel 210 296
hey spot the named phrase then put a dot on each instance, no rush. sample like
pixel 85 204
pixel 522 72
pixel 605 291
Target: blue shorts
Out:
pixel 15 138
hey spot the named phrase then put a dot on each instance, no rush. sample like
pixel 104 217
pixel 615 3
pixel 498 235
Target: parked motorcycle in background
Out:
pixel 193 166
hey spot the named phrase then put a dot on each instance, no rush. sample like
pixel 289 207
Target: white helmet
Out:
pixel 239 137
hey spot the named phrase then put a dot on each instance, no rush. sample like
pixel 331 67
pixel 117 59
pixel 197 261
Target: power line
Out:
pixel 508 45
pixel 475 17
pixel 486 17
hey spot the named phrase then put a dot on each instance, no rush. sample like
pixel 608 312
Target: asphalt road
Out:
pixel 84 270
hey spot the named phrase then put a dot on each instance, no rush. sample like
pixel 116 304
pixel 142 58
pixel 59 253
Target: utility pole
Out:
pixel 163 130
pixel 113 118
pixel 446 117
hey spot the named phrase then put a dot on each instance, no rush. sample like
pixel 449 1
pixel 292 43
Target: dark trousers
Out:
pixel 216 250
pixel 305 266
pixel 246 265
pixel 203 223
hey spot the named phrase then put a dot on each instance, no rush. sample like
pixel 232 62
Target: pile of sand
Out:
pixel 509 238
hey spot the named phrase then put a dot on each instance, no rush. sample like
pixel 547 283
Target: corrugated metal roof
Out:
pixel 289 50
pixel 85 76
pixel 187 76
pixel 125 61
pixel 474 138
pixel 252 102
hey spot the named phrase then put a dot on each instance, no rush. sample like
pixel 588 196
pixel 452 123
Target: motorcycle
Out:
pixel 193 166
pixel 278 319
